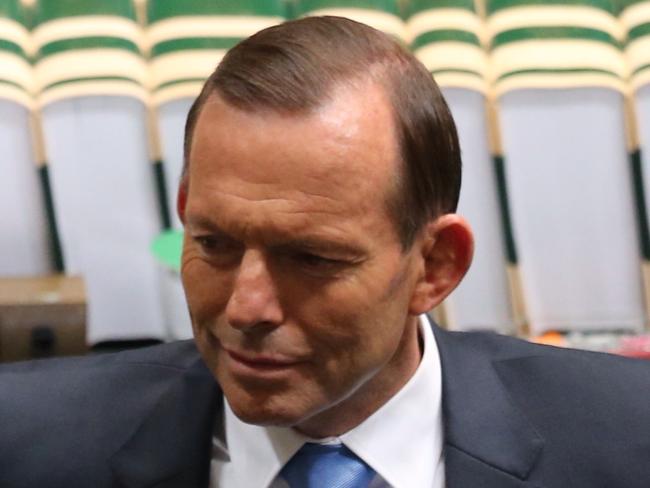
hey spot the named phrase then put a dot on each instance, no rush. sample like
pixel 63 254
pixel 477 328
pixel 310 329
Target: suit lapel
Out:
pixel 488 441
pixel 464 470
pixel 171 445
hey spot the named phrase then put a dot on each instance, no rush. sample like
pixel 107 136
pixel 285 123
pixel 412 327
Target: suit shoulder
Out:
pixel 179 355
pixel 569 380
pixel 489 344
pixel 88 406
pixel 592 373
pixel 83 386
pixel 501 347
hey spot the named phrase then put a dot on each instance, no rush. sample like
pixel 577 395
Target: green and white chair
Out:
pixel 24 238
pixel 383 15
pixel 635 17
pixel 448 38
pixel 186 41
pixel 560 75
pixel 92 90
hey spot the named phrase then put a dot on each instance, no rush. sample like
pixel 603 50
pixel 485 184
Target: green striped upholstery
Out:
pixel 555 44
pixel 384 15
pixel 447 36
pixel 90 47
pixel 635 17
pixel 187 39
pixel 16 79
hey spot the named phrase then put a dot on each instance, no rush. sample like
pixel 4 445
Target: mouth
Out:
pixel 259 364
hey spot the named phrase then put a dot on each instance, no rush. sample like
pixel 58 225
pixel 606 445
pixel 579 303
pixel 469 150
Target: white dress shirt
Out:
pixel 402 441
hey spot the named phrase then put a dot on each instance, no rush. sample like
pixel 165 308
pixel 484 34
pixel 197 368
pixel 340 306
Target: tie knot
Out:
pixel 326 466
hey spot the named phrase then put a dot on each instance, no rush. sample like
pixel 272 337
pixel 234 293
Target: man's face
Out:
pixel 297 284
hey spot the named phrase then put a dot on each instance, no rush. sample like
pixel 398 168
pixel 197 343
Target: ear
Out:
pixel 181 199
pixel 446 247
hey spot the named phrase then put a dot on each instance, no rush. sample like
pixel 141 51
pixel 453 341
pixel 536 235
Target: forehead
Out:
pixel 340 157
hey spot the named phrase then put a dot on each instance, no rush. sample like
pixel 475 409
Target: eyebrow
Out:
pixel 305 243
pixel 318 244
pixel 201 224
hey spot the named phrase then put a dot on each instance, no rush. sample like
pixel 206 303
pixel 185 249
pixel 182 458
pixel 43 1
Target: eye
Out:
pixel 315 261
pixel 207 243
pixel 214 245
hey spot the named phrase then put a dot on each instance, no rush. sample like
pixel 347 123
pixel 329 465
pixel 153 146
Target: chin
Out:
pixel 254 411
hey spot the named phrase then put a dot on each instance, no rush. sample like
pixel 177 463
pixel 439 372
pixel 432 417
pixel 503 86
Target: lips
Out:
pixel 260 362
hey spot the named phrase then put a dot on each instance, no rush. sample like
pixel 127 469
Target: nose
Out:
pixel 254 299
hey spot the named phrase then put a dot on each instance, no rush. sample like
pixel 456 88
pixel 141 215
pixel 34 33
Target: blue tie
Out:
pixel 326 466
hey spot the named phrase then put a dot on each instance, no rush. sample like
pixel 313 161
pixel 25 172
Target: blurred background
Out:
pixel 552 103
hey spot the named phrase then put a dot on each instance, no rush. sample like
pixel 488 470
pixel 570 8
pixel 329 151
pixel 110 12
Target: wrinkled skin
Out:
pixel 304 304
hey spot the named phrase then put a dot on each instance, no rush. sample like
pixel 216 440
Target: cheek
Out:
pixel 206 290
pixel 348 329
pixel 363 317
pixel 352 349
pixel 359 300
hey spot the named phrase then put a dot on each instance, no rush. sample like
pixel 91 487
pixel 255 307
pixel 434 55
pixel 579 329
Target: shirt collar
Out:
pixel 413 418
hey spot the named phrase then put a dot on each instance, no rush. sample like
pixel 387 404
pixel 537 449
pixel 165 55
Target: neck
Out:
pixel 373 393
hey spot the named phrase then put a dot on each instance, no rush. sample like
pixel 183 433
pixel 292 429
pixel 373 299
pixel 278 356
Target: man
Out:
pixel 322 173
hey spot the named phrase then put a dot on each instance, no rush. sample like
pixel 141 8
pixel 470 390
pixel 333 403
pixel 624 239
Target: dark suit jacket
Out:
pixel 516 415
